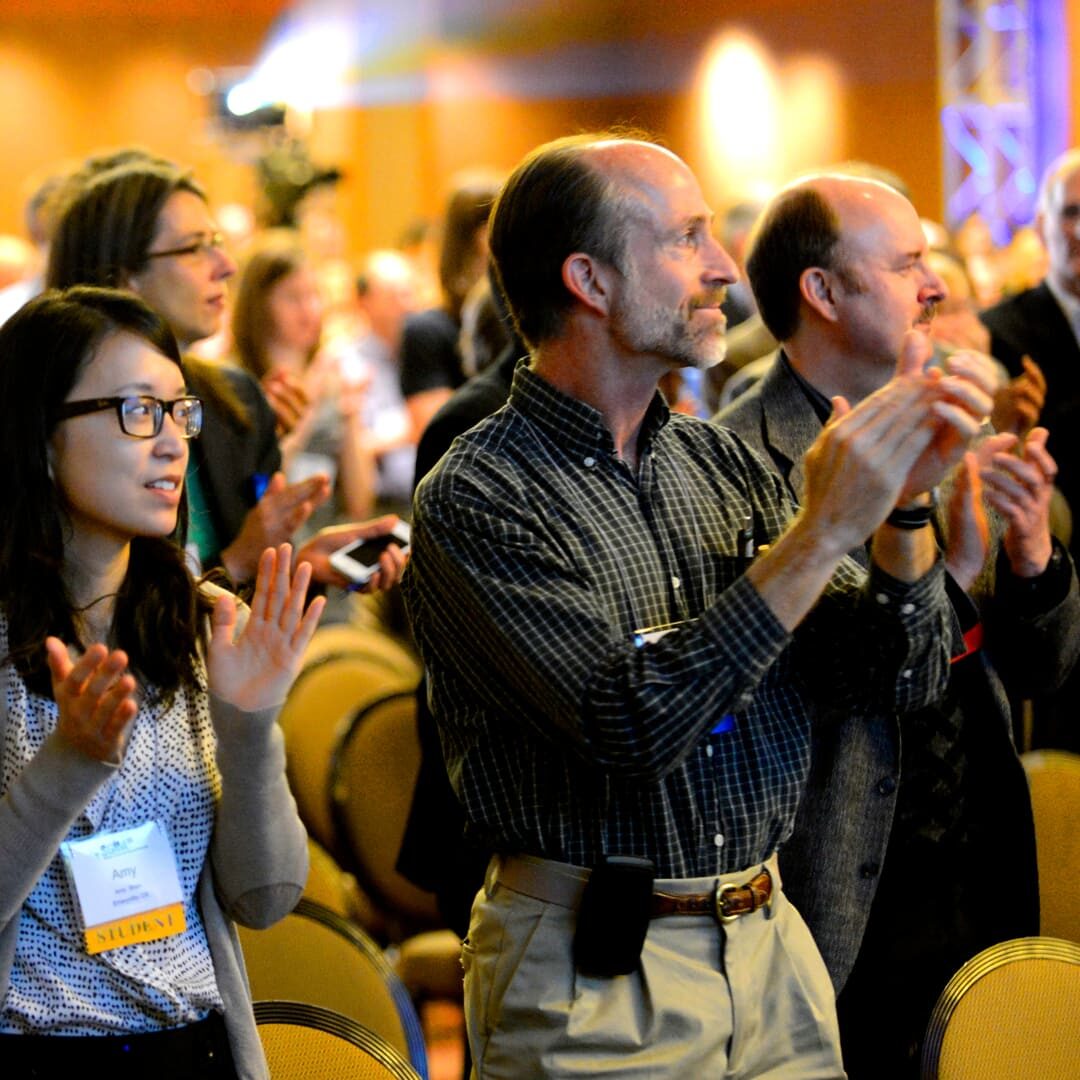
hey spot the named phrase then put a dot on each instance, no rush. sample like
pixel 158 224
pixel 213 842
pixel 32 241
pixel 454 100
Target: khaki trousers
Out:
pixel 750 998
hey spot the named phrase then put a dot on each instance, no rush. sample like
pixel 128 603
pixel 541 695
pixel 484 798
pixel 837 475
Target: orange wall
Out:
pixel 80 75
pixel 85 77
pixel 401 158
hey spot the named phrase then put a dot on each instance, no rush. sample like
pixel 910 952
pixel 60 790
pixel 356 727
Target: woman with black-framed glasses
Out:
pixel 143 802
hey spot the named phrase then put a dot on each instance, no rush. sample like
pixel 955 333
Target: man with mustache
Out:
pixel 909 817
pixel 626 630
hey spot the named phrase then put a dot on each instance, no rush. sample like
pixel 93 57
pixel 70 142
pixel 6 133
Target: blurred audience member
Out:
pixel 485 327
pixel 431 366
pixel 1042 324
pixel 735 229
pixel 419 243
pixel 145 225
pixel 277 330
pixel 974 244
pixel 26 259
pixel 385 296
pixel 956 324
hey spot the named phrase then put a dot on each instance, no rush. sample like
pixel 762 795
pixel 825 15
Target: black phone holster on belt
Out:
pixel 614 915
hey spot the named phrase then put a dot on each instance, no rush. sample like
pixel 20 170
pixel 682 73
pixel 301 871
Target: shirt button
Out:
pixel 708 750
pixel 881 598
pixel 906 673
pixel 675 582
pixel 869 870
pixel 718 839
pixel 887 785
pixel 906 609
pixel 590 462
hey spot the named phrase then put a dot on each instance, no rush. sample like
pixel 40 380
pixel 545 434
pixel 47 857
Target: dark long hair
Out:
pixel 467 211
pixel 160 615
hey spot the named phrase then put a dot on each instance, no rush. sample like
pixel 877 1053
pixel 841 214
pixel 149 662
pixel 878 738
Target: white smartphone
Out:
pixel 359 560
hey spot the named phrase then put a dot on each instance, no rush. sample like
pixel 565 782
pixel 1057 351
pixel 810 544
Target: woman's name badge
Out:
pixel 127 886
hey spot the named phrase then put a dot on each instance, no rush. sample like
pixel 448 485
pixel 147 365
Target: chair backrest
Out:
pixel 1012 1011
pixel 345 639
pixel 373 776
pixel 314 955
pixel 343 670
pixel 1054 779
pixel 306 1042
pixel 328 884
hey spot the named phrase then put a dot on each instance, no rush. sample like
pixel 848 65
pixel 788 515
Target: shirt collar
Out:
pixel 570 423
pixel 818 401
pixel 1068 303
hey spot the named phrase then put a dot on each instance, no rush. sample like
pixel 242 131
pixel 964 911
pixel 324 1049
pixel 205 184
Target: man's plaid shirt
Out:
pixel 537 553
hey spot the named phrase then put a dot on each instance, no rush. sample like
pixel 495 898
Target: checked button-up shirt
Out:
pixel 538 556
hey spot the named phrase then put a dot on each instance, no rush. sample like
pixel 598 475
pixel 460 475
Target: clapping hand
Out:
pixel 287 397
pixel 254 670
pixel 283 508
pixel 1019 403
pixel 1019 486
pixel 968 530
pixel 962 401
pixel 95 697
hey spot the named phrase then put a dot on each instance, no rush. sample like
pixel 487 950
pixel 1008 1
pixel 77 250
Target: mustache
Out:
pixel 712 298
pixel 927 312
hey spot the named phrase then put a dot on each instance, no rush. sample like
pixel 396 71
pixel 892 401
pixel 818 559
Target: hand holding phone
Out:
pixel 359 561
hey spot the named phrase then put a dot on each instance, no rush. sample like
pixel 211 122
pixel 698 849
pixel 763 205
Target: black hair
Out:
pixel 160 615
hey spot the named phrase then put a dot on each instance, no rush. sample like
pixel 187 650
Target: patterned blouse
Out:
pixel 168 775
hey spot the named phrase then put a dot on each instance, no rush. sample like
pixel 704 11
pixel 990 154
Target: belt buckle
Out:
pixel 721 893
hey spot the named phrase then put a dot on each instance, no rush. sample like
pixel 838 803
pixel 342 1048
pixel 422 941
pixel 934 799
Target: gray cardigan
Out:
pixel 257 864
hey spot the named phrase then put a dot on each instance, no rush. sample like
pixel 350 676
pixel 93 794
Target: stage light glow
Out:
pixel 308 69
pixel 740 112
pixel 812 113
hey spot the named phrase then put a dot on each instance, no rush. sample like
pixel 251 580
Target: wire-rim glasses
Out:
pixel 201 247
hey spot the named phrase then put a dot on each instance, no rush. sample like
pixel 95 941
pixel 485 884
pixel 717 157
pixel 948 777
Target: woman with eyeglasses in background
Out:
pixel 143 801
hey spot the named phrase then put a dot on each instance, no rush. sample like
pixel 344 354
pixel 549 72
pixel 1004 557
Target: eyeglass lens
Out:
pixel 143 416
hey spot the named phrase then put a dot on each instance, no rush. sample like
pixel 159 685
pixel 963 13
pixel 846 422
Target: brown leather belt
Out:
pixel 727 901
pixel 562 884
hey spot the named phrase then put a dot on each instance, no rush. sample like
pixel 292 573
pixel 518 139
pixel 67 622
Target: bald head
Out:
pixel 386 291
pixel 1057 174
pixel 1059 221
pixel 820 221
pixel 577 194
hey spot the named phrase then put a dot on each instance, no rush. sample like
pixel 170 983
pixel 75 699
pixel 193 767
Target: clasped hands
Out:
pixel 252 670
pixel 897 444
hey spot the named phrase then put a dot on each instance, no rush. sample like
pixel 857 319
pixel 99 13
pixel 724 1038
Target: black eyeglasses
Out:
pixel 142 416
pixel 203 246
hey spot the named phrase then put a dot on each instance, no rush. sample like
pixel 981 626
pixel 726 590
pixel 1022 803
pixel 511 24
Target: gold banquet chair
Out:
pixel 1010 1013
pixel 313 955
pixel 372 778
pixel 1054 780
pixel 343 670
pixel 306 1042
